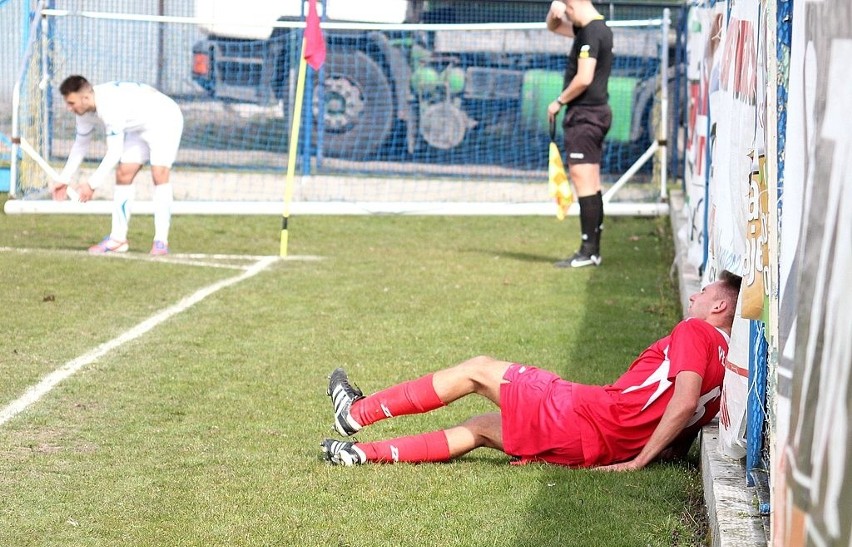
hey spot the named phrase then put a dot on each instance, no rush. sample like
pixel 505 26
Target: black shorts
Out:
pixel 585 128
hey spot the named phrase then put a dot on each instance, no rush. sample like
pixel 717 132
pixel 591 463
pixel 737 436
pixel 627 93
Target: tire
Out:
pixel 358 106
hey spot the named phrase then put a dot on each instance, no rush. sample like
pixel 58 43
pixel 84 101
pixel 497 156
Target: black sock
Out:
pixel 591 212
pixel 599 230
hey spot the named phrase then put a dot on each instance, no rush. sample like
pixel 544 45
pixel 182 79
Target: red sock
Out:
pixel 428 447
pixel 412 397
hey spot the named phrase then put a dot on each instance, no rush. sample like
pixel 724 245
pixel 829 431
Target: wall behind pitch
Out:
pixel 725 131
pixel 812 470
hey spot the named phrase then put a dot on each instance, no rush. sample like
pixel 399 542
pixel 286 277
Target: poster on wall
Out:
pixel 812 472
pixel 705 27
pixel 735 132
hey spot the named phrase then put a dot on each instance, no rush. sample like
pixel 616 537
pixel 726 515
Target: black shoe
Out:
pixel 580 259
pixel 342 453
pixel 342 396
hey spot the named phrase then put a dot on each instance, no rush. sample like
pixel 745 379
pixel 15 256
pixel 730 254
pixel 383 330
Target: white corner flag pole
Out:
pixel 293 149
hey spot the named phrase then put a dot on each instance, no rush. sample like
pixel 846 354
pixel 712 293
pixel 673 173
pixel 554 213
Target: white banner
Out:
pixel 704 40
pixel 813 470
pixel 735 132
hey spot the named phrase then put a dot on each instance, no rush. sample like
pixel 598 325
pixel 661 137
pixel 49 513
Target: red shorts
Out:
pixel 538 418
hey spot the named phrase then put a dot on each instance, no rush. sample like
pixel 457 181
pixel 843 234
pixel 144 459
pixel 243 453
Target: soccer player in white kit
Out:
pixel 142 125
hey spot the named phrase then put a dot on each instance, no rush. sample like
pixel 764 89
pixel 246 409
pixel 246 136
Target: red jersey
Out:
pixel 617 420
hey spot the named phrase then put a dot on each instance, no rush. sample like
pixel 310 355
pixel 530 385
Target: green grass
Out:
pixel 206 430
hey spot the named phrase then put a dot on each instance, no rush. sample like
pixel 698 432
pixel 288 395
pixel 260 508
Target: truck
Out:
pixel 425 88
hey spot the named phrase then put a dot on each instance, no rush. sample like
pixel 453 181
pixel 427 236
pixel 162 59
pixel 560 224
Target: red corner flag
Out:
pixel 314 42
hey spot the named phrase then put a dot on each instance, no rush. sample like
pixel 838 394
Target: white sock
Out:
pixel 122 198
pixel 163 197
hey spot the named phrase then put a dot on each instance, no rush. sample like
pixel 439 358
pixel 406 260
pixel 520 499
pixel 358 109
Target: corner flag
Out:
pixel 313 53
pixel 557 179
pixel 314 42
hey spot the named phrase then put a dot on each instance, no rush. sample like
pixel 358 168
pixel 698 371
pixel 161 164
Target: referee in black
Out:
pixel 588 116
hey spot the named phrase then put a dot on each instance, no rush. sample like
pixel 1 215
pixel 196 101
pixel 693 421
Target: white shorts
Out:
pixel 159 145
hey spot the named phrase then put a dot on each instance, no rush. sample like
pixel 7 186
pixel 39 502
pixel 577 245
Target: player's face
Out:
pixel 570 12
pixel 78 102
pixel 702 302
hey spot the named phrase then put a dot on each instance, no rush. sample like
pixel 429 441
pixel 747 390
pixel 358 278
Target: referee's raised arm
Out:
pixel 557 21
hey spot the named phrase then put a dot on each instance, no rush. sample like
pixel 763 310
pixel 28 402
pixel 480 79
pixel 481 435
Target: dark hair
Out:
pixel 731 283
pixel 74 84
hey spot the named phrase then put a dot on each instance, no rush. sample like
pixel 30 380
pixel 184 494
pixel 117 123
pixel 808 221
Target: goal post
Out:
pixel 30 103
pixel 426 118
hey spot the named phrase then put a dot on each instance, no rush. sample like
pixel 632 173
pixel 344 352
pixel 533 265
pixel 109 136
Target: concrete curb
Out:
pixel 731 505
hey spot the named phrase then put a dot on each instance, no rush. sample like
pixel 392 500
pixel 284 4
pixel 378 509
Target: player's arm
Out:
pixel 557 22
pixel 681 408
pixel 115 147
pixel 578 84
pixel 581 81
pixel 75 158
pixel 679 448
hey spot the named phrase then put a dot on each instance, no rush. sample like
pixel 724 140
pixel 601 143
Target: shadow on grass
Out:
pixel 521 257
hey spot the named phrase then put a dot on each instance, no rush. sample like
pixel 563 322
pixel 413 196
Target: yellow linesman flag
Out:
pixel 557 182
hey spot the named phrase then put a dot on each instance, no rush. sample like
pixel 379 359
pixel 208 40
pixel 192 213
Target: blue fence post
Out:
pixel 708 148
pixel 48 92
pixel 680 86
pixel 321 95
pixel 307 110
pixel 756 403
pixel 307 115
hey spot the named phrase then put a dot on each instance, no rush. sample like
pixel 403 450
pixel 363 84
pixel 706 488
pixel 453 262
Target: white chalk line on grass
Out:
pixel 186 259
pixel 39 390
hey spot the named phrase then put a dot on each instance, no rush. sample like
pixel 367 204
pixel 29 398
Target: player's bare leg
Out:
pixel 483 430
pixel 482 375
pixel 586 178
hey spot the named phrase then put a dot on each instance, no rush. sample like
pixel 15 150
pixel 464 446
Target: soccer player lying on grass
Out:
pixel 653 411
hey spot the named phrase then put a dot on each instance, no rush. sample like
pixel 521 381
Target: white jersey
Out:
pixel 122 108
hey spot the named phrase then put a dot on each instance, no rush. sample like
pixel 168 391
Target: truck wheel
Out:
pixel 358 106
